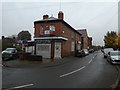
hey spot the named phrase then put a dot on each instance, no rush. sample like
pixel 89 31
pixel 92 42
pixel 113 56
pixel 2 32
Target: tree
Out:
pixel 112 39
pixel 117 40
pixel 109 39
pixel 24 35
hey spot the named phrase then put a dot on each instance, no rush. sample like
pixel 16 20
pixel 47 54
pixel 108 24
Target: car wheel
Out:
pixel 105 56
pixel 3 58
pixel 108 60
pixel 111 62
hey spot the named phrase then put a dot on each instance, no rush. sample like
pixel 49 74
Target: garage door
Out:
pixel 44 50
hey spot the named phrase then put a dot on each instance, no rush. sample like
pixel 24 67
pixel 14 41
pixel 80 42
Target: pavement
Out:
pixel 17 63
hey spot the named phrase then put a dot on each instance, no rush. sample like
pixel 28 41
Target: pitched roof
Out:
pixel 50 18
pixel 53 19
pixel 83 32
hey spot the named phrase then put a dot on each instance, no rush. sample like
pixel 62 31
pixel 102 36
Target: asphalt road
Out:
pixel 92 71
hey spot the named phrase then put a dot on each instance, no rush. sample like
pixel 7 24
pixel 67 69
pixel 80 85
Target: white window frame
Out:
pixel 52 28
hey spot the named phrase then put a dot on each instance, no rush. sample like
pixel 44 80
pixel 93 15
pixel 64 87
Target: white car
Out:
pixel 106 50
pixel 86 51
pixel 114 57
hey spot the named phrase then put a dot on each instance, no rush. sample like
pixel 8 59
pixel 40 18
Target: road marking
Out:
pixel 72 72
pixel 90 61
pixel 22 86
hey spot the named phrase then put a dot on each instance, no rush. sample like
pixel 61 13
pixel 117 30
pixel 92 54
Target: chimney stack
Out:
pixel 60 15
pixel 45 16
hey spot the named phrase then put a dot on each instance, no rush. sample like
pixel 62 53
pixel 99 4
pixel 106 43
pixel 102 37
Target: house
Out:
pixel 86 41
pixel 29 48
pixel 55 38
pixel 90 42
pixel 8 42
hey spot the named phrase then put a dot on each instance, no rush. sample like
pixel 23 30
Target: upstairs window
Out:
pixel 52 28
pixel 41 30
pixel 72 35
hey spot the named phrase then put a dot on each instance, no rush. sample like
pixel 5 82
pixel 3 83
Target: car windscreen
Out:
pixel 10 50
pixel 115 53
pixel 107 50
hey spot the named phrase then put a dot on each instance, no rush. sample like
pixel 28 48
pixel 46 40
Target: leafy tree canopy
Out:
pixel 112 39
pixel 24 35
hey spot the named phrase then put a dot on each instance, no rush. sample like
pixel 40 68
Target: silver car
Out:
pixel 105 51
pixel 9 53
pixel 114 57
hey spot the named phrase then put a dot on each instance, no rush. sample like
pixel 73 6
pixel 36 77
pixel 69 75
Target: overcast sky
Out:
pixel 96 17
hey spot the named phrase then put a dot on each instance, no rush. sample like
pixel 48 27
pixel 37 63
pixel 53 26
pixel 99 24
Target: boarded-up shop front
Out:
pixel 49 47
pixel 44 50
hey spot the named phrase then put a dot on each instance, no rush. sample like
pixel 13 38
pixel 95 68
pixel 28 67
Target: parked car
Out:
pixel 91 50
pixel 114 57
pixel 86 51
pixel 9 53
pixel 80 53
pixel 105 51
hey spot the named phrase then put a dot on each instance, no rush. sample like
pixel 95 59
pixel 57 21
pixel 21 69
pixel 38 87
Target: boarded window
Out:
pixel 72 46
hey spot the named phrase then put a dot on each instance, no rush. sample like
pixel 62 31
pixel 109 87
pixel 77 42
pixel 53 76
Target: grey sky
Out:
pixel 96 17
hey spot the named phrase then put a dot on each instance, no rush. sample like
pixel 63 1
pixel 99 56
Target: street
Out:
pixel 91 71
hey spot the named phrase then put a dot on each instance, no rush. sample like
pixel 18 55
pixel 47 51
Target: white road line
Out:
pixel 72 72
pixel 22 86
pixel 90 61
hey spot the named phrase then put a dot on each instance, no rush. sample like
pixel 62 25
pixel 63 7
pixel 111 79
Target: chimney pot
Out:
pixel 60 15
pixel 45 16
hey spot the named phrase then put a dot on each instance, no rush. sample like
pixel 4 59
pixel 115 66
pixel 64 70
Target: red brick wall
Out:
pixel 90 42
pixel 46 27
pixel 60 30
pixel 85 41
pixel 37 29
pixel 66 45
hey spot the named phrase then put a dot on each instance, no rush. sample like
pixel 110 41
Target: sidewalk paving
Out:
pixel 46 62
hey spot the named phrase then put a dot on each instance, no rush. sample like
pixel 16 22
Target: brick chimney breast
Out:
pixel 45 16
pixel 60 15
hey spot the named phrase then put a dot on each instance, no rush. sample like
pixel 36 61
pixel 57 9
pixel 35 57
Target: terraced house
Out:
pixel 55 38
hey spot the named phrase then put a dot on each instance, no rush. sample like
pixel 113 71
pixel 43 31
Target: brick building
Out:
pixel 55 38
pixel 90 42
pixel 86 41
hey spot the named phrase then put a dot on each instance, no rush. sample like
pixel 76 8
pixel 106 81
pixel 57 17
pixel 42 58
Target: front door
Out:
pixel 57 53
